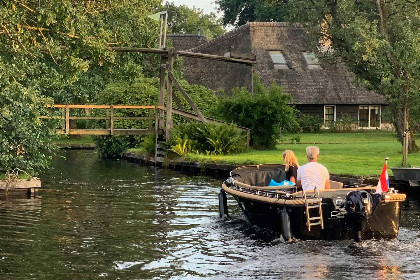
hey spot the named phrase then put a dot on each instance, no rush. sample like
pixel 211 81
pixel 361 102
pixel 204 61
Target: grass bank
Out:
pixel 356 154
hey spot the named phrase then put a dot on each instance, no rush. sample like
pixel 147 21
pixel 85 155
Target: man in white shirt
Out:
pixel 313 175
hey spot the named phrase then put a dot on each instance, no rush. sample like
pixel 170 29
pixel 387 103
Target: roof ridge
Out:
pixel 271 23
pixel 223 37
pixel 184 35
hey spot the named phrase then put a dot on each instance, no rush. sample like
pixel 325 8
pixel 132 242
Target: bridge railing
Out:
pixel 150 119
pixel 146 124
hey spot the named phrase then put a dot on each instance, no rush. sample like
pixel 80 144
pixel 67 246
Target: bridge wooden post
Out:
pixel 248 138
pixel 63 117
pixel 169 121
pixel 67 120
pixel 163 62
pixel 107 124
pixel 111 119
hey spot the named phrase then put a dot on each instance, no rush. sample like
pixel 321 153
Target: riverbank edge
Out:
pixel 222 171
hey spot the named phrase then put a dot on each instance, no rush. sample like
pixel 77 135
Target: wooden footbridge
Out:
pixel 152 123
pixel 154 119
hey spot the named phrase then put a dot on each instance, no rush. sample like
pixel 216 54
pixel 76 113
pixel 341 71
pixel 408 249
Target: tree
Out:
pixel 266 113
pixel 183 20
pixel 239 12
pixel 48 47
pixel 25 141
pixel 379 42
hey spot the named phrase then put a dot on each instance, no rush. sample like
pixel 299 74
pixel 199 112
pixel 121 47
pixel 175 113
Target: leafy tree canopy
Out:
pixel 183 20
pixel 239 12
pixel 379 42
pixel 60 49
pixel 58 46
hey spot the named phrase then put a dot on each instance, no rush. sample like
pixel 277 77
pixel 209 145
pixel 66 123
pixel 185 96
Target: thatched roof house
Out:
pixel 282 56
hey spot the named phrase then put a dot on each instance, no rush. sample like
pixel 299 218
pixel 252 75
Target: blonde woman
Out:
pixel 291 165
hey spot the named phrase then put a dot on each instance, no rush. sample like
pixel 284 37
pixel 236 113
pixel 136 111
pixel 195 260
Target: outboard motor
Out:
pixel 223 208
pixel 286 230
pixel 358 207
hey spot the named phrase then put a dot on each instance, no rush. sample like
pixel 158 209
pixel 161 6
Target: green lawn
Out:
pixel 357 154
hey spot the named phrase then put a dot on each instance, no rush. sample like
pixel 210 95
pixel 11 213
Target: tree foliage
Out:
pixel 60 49
pixel 265 113
pixel 144 91
pixel 183 20
pixel 239 12
pixel 379 42
pixel 25 141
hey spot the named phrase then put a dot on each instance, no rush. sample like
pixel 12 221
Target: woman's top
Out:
pixel 291 172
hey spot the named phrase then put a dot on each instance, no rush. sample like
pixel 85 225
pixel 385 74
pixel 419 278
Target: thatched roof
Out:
pixel 186 41
pixel 330 84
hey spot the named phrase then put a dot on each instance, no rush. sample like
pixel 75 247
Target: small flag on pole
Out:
pixel 155 16
pixel 383 183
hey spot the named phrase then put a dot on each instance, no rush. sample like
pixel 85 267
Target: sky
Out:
pixel 207 6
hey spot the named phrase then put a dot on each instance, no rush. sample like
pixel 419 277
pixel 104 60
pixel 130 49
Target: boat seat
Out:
pixel 261 177
pixel 336 185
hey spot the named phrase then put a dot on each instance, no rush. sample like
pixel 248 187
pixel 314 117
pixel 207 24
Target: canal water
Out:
pixel 101 219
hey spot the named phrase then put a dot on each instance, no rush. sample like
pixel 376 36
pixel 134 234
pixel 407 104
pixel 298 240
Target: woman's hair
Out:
pixel 289 158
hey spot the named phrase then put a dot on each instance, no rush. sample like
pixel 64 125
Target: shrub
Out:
pixel 310 123
pixel 203 98
pixel 225 139
pixel 148 144
pixel 195 132
pixel 112 146
pixel 182 146
pixel 207 138
pixel 144 91
pixel 344 124
pixel 265 113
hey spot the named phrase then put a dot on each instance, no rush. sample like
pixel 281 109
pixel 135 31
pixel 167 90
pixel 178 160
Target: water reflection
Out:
pixel 114 219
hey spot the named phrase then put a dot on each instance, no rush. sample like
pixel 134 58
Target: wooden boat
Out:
pixel 348 212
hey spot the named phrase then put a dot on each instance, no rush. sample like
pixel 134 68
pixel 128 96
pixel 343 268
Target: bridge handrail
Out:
pixel 73 106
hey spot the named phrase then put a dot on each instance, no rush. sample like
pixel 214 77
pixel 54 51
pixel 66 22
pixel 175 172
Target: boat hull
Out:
pixel 383 223
pixel 337 213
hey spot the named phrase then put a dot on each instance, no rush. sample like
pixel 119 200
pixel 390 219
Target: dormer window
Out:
pixel 311 60
pixel 278 59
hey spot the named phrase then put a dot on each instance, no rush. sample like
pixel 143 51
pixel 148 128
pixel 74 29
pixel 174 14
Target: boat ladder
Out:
pixel 313 203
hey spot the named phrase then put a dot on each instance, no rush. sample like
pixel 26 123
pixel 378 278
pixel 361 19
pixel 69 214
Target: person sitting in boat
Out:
pixel 291 165
pixel 313 175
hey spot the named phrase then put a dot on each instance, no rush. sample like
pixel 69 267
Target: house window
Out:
pixel 369 116
pixel 329 115
pixel 278 59
pixel 311 60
